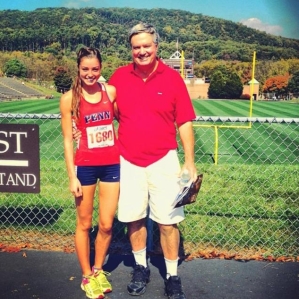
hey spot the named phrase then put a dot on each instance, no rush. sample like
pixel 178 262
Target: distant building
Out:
pixel 254 84
pixel 198 87
pixel 180 64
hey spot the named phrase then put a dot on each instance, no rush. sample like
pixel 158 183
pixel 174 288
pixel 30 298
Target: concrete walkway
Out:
pixel 56 275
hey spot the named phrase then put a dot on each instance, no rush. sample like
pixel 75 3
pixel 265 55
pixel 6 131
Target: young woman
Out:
pixel 89 106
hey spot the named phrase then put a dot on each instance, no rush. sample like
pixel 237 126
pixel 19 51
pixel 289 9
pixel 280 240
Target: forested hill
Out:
pixel 200 36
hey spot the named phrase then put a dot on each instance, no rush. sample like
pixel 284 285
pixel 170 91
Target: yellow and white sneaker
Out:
pixel 91 287
pixel 101 277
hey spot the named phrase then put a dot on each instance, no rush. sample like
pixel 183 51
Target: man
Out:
pixel 153 103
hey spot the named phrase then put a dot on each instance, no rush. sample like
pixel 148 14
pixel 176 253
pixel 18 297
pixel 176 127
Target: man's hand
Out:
pixel 191 169
pixel 76 134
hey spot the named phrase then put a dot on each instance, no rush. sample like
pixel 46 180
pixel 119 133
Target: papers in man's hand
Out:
pixel 188 193
pixel 183 192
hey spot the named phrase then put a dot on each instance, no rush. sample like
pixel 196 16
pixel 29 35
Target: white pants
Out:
pixel 155 186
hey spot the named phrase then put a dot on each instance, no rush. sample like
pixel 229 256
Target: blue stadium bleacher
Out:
pixel 11 88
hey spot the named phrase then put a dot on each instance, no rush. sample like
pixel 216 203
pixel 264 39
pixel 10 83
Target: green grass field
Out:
pixel 234 145
pixel 241 108
pixel 202 108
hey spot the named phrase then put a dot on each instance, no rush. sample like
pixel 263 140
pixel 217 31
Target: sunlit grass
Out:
pixel 249 204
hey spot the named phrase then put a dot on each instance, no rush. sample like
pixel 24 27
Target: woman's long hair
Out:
pixel 77 86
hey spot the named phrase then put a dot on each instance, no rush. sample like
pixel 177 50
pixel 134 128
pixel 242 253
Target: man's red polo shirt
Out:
pixel 149 112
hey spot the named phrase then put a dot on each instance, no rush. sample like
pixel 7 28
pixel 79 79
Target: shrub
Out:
pixel 245 96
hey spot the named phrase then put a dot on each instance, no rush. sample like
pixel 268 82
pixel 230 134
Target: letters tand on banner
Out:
pixel 19 158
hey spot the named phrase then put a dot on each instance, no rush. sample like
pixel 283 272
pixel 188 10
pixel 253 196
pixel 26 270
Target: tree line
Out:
pixel 42 44
pixel 227 77
pixel 201 37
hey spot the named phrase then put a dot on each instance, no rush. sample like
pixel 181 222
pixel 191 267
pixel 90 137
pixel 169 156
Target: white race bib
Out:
pixel 100 136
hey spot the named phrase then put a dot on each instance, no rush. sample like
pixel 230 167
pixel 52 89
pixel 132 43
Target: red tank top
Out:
pixel 98 144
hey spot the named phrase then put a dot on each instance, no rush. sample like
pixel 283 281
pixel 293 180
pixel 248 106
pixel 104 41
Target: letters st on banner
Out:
pixel 19 158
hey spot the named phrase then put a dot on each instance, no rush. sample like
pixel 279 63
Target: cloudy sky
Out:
pixel 278 17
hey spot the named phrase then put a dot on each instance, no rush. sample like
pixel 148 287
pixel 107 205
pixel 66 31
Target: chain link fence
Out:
pixel 248 203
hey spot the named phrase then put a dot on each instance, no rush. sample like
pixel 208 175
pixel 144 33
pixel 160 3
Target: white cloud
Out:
pixel 256 23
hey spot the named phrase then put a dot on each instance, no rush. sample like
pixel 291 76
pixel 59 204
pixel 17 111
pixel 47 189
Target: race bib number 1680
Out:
pixel 100 136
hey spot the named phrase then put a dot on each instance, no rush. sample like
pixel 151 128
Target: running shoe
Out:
pixel 101 277
pixel 91 287
pixel 140 277
pixel 173 288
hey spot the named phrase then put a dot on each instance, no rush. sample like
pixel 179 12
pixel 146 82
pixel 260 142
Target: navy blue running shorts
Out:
pixel 89 175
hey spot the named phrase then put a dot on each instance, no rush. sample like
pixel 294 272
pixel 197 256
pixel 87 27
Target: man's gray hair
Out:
pixel 147 28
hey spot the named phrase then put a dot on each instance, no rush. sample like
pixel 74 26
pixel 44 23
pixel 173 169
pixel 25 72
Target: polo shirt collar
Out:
pixel 160 68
